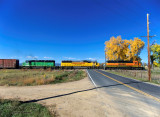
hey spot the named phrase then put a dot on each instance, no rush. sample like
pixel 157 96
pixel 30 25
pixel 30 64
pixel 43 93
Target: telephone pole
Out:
pixel 149 66
pixel 105 60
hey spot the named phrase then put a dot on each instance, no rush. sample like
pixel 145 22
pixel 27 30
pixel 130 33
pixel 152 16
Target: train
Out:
pixel 65 64
pixel 9 63
pixel 76 64
pixel 38 64
pixel 124 65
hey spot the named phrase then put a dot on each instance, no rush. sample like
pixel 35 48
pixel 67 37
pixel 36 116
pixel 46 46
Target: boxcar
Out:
pixel 38 64
pixel 9 63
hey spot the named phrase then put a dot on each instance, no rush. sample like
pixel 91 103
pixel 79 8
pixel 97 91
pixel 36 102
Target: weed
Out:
pixel 10 108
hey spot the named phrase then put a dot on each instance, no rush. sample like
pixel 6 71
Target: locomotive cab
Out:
pixel 26 63
pixel 135 62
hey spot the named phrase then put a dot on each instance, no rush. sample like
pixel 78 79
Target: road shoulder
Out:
pixel 66 98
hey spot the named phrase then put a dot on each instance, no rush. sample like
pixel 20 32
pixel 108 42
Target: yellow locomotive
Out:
pixel 84 63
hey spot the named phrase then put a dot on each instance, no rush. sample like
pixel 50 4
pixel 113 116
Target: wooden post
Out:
pixel 149 67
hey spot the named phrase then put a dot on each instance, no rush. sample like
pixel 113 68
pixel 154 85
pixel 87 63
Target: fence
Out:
pixel 139 74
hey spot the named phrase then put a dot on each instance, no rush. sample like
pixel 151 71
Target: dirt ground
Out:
pixel 65 99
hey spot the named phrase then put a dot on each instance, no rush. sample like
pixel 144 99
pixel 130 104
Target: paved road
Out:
pixel 135 98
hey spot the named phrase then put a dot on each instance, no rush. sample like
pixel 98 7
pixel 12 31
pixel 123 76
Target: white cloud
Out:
pixel 69 58
pixel 32 57
pixel 47 57
pixel 28 56
pixel 14 57
pixel 91 58
pixel 100 59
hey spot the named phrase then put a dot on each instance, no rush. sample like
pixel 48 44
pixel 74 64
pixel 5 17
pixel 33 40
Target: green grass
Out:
pixel 120 73
pixel 10 108
pixel 32 77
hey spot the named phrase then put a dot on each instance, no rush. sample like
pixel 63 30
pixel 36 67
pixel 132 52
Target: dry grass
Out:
pixel 28 81
pixel 26 77
pixel 138 74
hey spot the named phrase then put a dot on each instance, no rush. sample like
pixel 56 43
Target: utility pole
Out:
pixel 149 66
pixel 105 59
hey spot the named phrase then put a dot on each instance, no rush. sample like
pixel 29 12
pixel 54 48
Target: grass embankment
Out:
pixel 32 77
pixel 10 108
pixel 138 74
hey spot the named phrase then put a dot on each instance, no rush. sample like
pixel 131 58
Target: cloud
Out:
pixel 48 57
pixel 69 58
pixel 14 57
pixel 94 59
pixel 32 57
pixel 91 58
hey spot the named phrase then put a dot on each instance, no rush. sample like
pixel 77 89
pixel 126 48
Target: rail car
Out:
pixel 79 64
pixel 9 63
pixel 39 64
pixel 65 64
pixel 123 65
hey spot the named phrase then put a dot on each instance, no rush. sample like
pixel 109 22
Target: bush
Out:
pixel 10 108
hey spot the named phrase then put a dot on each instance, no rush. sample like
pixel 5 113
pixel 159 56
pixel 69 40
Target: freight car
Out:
pixel 123 65
pixel 39 64
pixel 79 64
pixel 9 63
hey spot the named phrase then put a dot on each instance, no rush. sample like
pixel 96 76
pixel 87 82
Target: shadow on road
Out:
pixel 78 92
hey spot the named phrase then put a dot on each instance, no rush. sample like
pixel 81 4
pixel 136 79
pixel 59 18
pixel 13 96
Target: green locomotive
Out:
pixel 39 64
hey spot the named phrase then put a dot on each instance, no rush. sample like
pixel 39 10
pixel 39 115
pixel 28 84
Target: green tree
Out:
pixel 155 57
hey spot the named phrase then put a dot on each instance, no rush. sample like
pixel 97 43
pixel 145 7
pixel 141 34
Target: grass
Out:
pixel 10 108
pixel 27 77
pixel 156 71
pixel 139 75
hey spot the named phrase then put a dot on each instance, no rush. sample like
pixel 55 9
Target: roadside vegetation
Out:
pixel 141 75
pixel 31 77
pixel 10 108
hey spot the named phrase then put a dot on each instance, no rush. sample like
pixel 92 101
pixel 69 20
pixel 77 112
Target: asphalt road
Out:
pixel 132 97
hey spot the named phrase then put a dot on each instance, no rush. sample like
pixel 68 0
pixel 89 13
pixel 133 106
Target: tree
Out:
pixel 155 64
pixel 155 57
pixel 136 46
pixel 118 49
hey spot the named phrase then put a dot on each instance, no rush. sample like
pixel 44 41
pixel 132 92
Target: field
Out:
pixel 27 77
pixel 139 74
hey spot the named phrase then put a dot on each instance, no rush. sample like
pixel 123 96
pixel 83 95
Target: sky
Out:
pixel 72 29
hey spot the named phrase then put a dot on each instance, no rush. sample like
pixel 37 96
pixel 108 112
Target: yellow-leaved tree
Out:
pixel 136 46
pixel 119 49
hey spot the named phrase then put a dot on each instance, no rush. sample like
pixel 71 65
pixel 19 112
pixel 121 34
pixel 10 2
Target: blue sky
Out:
pixel 72 29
